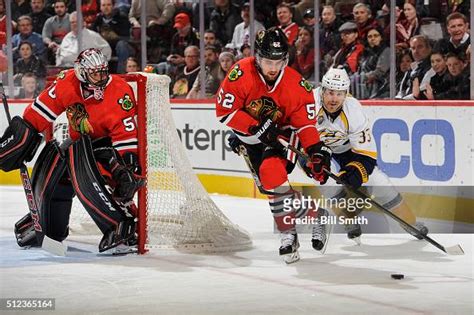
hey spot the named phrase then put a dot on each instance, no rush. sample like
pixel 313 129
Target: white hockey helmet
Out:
pixel 90 61
pixel 336 79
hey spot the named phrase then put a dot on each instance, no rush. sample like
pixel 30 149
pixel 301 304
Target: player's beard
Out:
pixel 270 80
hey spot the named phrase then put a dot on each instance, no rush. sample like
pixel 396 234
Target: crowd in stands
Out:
pixel 432 45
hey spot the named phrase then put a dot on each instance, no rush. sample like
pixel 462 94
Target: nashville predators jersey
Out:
pixel 349 131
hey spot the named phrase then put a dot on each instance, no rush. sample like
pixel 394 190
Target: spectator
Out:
pixel 69 49
pixel 407 25
pixel 245 51
pixel 329 37
pixel 437 82
pixel 38 15
pixel 364 20
pixel 459 41
pixel 123 6
pixel 374 66
pixel 89 9
pixel 184 37
pixel 285 18
pixel 29 86
pixel 70 6
pixel 213 76
pixel 304 62
pixel 383 18
pixel 458 81
pixel 3 25
pixel 404 61
pixel 159 12
pixel 241 34
pixel 28 63
pixel 184 76
pixel 308 18
pixel 55 28
pixel 224 19
pixel 226 61
pixel 350 51
pixel 115 29
pixel 131 65
pixel 20 8
pixel 210 38
pixel 26 33
pixel 421 51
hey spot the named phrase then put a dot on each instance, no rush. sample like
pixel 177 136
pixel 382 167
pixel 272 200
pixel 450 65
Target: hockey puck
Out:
pixel 397 276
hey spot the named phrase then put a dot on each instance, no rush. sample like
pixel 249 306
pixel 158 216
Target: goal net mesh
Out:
pixel 178 211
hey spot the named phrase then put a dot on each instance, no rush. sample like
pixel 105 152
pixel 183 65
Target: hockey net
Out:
pixel 175 211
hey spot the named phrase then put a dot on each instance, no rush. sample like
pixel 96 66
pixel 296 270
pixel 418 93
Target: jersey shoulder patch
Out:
pixel 126 102
pixel 307 86
pixel 235 73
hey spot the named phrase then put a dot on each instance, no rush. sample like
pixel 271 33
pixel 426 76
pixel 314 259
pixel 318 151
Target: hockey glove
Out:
pixel 18 144
pixel 234 143
pixel 267 132
pixel 354 174
pixel 127 182
pixel 320 160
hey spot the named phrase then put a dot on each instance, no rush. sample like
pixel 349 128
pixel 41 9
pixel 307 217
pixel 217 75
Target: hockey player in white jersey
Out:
pixel 345 129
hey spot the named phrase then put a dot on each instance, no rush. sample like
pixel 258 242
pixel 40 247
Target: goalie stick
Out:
pixel 48 244
pixel 452 250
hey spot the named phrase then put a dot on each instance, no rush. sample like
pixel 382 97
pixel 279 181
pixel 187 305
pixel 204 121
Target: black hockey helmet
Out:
pixel 272 44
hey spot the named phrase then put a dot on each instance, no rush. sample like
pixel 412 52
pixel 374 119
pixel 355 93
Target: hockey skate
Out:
pixel 321 232
pixel 122 235
pixel 289 247
pixel 354 232
pixel 420 226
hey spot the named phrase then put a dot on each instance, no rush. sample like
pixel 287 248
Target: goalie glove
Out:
pixel 127 182
pixel 354 174
pixel 320 160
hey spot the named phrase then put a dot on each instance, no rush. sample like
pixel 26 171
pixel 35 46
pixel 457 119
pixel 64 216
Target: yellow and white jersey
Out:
pixel 349 131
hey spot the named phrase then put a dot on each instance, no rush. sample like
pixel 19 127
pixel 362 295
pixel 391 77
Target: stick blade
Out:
pixel 454 250
pixel 54 247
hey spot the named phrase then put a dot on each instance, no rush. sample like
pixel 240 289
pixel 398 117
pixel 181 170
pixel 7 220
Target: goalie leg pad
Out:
pixel 53 192
pixel 18 144
pixel 92 189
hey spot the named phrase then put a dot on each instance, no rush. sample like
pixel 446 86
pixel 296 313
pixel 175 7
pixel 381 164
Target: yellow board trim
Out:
pixel 425 206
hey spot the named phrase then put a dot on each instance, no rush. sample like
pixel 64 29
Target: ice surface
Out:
pixel 347 279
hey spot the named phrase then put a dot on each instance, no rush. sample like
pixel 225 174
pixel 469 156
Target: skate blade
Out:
pixel 291 258
pixel 120 250
pixel 54 247
pixel 357 240
pixel 323 250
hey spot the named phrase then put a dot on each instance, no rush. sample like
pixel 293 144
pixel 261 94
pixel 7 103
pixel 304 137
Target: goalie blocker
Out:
pixel 54 190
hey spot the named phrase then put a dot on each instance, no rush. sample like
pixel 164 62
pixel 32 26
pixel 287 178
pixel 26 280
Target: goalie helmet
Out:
pixel 272 44
pixel 90 61
pixel 336 79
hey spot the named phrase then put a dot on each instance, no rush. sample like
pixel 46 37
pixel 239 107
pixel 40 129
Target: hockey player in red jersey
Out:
pixel 100 109
pixel 262 99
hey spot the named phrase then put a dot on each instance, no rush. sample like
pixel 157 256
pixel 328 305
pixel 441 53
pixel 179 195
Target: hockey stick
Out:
pixel 452 250
pixel 50 245
pixel 243 152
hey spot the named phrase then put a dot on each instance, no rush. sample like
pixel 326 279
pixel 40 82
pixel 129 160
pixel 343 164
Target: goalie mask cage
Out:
pixel 175 211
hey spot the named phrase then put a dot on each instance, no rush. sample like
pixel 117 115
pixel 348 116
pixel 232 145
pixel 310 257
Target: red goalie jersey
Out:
pixel 291 93
pixel 112 116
